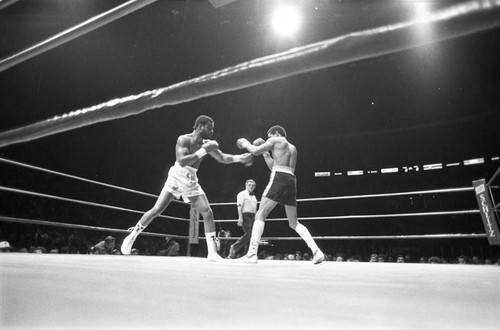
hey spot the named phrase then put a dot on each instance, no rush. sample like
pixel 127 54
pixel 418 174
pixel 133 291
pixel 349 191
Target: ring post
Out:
pixel 486 209
pixel 194 228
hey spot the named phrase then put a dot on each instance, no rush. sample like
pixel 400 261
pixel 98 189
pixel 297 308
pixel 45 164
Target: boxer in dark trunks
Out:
pixel 281 189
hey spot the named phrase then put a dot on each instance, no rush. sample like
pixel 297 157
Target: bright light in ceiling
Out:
pixel 286 21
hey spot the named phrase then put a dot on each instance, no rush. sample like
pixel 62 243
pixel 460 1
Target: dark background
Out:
pixel 433 104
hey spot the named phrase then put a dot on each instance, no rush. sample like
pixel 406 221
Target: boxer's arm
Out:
pixel 182 154
pixel 255 150
pixel 224 158
pixel 268 159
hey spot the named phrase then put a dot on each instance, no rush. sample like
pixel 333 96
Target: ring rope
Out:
pixel 74 32
pixel 430 236
pixel 123 231
pixel 68 225
pixel 32 193
pixel 453 22
pixel 490 182
pixel 420 192
pixel 366 216
pixel 6 3
pixel 8 161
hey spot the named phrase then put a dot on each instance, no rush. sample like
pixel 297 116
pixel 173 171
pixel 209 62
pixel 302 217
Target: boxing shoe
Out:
pixel 247 259
pixel 214 257
pixel 127 243
pixel 319 257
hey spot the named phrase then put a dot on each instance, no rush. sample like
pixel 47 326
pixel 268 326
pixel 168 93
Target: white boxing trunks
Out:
pixel 182 181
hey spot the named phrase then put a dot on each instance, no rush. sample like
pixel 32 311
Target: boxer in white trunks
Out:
pixel 183 181
pixel 282 189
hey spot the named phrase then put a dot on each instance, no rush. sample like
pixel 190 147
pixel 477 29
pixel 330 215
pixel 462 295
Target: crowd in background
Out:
pixel 44 239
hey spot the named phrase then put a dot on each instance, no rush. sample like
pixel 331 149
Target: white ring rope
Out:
pixel 456 21
pixel 32 193
pixel 6 3
pixel 493 178
pixel 12 162
pixel 68 225
pixel 74 32
pixel 421 192
pixel 368 216
pixel 430 236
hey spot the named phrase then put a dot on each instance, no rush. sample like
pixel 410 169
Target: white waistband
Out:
pixel 187 167
pixel 282 168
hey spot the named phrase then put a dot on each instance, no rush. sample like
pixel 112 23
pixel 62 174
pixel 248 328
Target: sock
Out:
pixel 257 230
pixel 211 242
pixel 138 228
pixel 306 236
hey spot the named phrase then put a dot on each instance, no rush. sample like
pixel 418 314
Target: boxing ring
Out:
pixel 103 291
pixel 80 291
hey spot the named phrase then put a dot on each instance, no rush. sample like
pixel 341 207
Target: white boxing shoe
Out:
pixel 127 243
pixel 319 257
pixel 247 259
pixel 214 257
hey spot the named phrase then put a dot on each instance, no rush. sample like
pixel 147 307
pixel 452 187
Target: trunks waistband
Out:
pixel 284 169
pixel 189 168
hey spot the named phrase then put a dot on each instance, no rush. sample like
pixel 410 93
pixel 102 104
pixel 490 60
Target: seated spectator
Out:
pixel 435 260
pixel 462 260
pixel 353 259
pixel 400 259
pixel 39 250
pixel 170 249
pixel 381 258
pixel 374 257
pixel 5 247
pixel 134 252
pixel 476 261
pixel 104 247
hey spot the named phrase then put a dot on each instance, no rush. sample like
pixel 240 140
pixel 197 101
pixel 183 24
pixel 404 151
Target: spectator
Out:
pixel 462 260
pixel 475 260
pixel 400 259
pixel 435 260
pixel 5 246
pixel 104 247
pixel 374 257
pixel 171 248
pixel 298 255
pixel 39 250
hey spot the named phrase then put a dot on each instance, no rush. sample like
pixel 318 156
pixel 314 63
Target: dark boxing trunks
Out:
pixel 282 188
